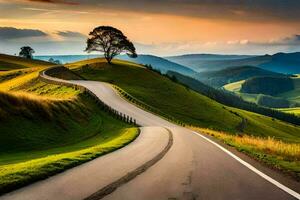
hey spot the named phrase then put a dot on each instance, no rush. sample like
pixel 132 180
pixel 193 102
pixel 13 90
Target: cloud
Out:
pixel 235 10
pixel 70 34
pixel 244 10
pixel 55 2
pixel 293 40
pixel 8 33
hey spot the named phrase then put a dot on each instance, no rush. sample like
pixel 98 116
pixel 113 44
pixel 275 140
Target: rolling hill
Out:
pixel 204 62
pixel 267 85
pixel 233 74
pixel 178 101
pixel 48 128
pixel 8 62
pixel 268 91
pixel 213 62
pixel 158 63
pixel 288 63
pixel 66 58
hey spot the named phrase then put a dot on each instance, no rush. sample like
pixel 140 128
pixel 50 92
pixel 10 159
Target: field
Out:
pixel 51 128
pixel 181 103
pixel 295 111
pixel 234 87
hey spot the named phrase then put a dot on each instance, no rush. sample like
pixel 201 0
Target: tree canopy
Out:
pixel 111 42
pixel 26 52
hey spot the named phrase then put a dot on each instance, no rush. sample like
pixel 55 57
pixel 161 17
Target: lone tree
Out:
pixel 111 42
pixel 26 52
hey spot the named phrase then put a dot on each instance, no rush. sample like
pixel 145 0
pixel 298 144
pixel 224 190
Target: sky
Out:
pixel 160 27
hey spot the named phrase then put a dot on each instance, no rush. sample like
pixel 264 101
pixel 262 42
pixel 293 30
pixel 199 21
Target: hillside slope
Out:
pixel 233 74
pixel 47 128
pixel 178 101
pixel 204 62
pixel 8 62
pixel 160 64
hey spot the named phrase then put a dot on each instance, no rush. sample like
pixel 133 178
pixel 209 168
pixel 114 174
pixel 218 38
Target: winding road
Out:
pixel 195 167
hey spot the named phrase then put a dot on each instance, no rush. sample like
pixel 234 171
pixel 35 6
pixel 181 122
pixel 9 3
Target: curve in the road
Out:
pixel 108 95
pixel 194 168
pixel 131 175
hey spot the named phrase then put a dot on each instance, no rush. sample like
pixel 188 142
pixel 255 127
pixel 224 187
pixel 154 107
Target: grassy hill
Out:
pixel 233 74
pixel 182 103
pixel 8 62
pixel 47 128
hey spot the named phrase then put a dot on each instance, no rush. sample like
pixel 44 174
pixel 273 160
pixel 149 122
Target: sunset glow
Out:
pixel 165 29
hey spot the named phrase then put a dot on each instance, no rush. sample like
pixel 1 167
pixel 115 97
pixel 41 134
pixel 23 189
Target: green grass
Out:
pixel 41 136
pixel 16 175
pixel 181 103
pixel 45 124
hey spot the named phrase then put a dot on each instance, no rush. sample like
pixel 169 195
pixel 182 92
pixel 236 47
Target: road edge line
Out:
pixel 110 188
pixel 252 168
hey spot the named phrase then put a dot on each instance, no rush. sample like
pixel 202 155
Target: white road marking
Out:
pixel 266 177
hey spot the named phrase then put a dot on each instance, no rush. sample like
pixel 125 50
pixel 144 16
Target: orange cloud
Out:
pixel 55 2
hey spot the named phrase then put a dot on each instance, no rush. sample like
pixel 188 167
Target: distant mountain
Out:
pixel 205 62
pixel 287 63
pixel 233 74
pixel 159 63
pixel 67 58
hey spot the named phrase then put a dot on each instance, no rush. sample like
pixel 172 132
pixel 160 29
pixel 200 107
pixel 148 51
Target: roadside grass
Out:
pixel 44 124
pixel 159 92
pixel 184 105
pixel 51 91
pixel 47 128
pixel 275 153
pixel 13 176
